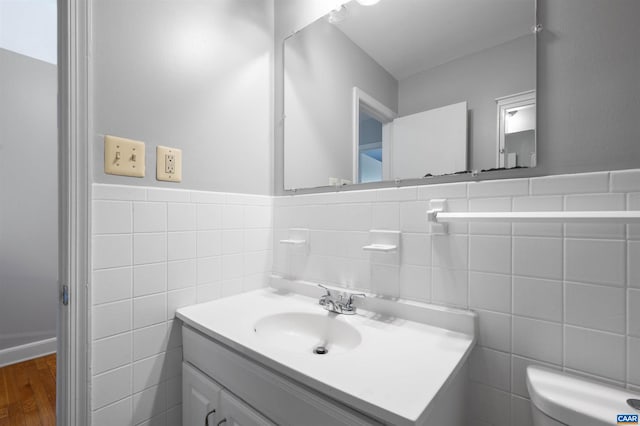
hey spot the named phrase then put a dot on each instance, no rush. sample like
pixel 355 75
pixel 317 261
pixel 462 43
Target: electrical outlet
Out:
pixel 169 164
pixel 124 157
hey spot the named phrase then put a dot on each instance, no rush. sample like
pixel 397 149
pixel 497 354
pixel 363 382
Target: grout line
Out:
pixel 512 307
pixel 563 302
pixel 626 307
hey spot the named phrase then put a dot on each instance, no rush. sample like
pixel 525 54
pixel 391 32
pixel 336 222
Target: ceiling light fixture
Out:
pixel 367 2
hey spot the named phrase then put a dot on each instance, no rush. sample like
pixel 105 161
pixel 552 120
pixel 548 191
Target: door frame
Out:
pixel 72 379
pixel 374 108
pixel 503 104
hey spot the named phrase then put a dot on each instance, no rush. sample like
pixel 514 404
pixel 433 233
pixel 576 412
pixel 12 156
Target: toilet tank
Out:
pixel 572 400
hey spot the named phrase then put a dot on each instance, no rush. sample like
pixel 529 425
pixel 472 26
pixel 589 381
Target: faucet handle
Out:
pixel 348 308
pixel 325 297
pixel 352 295
pixel 325 289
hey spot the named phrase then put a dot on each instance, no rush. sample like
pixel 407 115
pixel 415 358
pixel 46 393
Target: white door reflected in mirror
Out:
pixel 427 143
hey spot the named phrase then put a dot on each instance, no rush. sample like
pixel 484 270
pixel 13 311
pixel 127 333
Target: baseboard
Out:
pixel 28 351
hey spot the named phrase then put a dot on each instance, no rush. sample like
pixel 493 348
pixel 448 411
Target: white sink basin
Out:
pixel 392 360
pixel 315 334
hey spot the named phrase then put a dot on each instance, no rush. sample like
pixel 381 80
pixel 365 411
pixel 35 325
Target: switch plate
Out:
pixel 124 157
pixel 168 164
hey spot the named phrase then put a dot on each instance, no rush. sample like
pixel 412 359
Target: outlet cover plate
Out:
pixel 124 157
pixel 163 169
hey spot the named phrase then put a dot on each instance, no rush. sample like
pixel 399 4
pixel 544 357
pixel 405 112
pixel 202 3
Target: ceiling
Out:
pixel 409 36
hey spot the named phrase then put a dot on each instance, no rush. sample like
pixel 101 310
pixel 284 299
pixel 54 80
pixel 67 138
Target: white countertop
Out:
pixel 394 373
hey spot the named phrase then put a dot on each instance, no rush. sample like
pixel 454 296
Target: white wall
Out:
pixel 195 75
pixel 323 66
pixel 28 200
pixel 565 296
pixel 155 250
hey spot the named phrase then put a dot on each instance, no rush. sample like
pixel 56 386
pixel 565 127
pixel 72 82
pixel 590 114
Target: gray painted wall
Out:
pixel 479 79
pixel 323 66
pixel 190 74
pixel 588 85
pixel 28 200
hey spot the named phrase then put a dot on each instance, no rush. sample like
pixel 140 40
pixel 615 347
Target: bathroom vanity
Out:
pixel 275 356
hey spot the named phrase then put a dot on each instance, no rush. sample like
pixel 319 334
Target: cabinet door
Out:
pixel 234 412
pixel 200 396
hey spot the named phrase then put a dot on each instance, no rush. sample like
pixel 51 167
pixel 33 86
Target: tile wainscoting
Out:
pixel 155 250
pixel 562 295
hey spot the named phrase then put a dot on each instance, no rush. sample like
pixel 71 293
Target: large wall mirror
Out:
pixel 409 89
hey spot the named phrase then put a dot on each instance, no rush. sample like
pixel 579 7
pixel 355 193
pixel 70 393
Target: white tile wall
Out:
pixel 494 330
pixel 589 202
pixel 529 204
pixel 625 181
pixel 633 355
pixel 537 339
pixel 564 296
pixel 536 298
pixel 490 291
pixel 595 352
pixel 155 250
pixel 595 306
pixel 607 265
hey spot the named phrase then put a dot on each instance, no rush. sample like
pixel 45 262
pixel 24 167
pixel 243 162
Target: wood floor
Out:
pixel 28 393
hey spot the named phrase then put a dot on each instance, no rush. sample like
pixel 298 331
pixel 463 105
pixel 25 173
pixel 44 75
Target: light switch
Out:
pixel 123 157
pixel 168 164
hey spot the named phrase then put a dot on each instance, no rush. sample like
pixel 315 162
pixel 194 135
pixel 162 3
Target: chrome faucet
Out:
pixel 338 302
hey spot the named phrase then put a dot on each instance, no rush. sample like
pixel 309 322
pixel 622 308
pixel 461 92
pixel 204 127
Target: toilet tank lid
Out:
pixel 576 400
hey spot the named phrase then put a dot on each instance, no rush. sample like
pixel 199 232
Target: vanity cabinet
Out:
pixel 237 413
pixel 200 396
pixel 246 393
pixel 206 402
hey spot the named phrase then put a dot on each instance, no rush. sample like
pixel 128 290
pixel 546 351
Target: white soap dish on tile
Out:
pixel 385 248
pixel 383 241
pixel 298 237
pixel 293 242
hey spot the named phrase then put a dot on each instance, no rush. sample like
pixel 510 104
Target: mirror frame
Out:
pixel 474 176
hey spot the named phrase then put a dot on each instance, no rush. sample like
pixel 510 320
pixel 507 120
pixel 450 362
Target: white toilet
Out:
pixel 562 399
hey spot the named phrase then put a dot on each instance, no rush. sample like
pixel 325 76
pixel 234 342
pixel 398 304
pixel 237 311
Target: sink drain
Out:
pixel 320 350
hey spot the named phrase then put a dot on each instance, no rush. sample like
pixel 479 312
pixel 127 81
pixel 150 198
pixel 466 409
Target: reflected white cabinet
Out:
pixel 206 403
